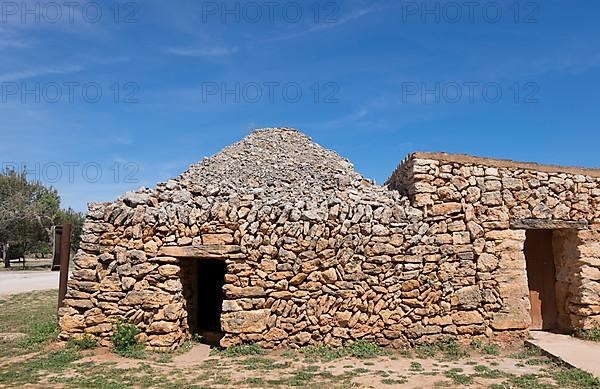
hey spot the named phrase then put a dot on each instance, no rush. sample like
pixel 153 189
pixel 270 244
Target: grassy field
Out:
pixel 30 357
pixel 30 264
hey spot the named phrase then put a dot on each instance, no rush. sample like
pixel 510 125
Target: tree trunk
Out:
pixel 5 257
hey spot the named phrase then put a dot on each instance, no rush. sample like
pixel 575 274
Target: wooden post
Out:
pixel 5 257
pixel 65 254
pixel 56 241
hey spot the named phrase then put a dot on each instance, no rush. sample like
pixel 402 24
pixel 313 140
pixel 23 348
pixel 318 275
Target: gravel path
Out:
pixel 13 282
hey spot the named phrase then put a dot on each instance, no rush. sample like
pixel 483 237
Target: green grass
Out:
pixel 87 342
pixel 538 361
pixel 575 378
pixel 32 370
pixel 323 353
pixel 446 349
pixel 485 348
pixel 527 381
pixel 486 372
pixel 527 352
pixel 239 351
pixel 592 334
pixel 255 362
pixel 34 316
pixel 459 379
pixel 416 366
pixel 390 381
pixel 360 349
pixel 363 349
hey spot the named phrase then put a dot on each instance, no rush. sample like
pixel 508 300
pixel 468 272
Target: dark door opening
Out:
pixel 203 288
pixel 211 278
pixel 539 255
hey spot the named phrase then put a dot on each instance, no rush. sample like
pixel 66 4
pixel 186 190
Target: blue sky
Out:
pixel 372 63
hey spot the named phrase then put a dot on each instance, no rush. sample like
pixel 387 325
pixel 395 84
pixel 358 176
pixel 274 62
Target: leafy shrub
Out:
pixel 486 348
pixel 241 350
pixel 361 349
pixel 87 342
pixel 528 351
pixel 416 366
pixel 449 349
pixel 575 378
pixel 591 334
pixel 124 340
pixel 425 350
pixel 459 379
pixel 364 349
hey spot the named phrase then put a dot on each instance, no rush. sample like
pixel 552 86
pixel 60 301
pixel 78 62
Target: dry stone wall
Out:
pixel 316 254
pixel 491 202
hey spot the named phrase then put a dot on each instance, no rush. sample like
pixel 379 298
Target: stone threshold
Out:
pixel 577 353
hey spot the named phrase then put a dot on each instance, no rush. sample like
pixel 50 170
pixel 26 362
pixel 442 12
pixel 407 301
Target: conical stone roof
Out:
pixel 274 164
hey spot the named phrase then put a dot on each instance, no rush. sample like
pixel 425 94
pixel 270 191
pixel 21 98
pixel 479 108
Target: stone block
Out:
pixel 244 322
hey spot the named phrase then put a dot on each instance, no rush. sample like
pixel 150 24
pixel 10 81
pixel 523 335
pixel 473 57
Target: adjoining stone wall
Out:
pixel 584 303
pixel 483 199
pixel 566 259
pixel 316 254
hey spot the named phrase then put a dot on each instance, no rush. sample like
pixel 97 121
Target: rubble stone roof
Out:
pixel 278 164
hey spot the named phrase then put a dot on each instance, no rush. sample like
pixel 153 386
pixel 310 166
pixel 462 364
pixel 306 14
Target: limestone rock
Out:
pixel 245 321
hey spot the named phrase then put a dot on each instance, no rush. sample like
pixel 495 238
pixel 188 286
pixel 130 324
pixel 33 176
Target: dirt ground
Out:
pixel 32 359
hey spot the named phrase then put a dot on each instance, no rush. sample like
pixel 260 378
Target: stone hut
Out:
pixel 278 241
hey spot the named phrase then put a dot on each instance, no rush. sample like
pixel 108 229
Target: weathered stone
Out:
pixel 446 209
pixel 316 254
pixel 249 291
pixel 169 270
pixel 162 327
pixel 462 318
pixel 487 262
pixel 468 297
pixel 329 276
pixel 275 334
pixel 245 321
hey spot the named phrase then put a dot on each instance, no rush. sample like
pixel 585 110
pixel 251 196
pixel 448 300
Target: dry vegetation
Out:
pixel 30 356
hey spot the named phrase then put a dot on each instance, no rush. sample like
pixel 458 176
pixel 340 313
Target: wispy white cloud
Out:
pixel 13 44
pixel 223 51
pixel 351 118
pixel 39 72
pixel 204 52
pixel 325 26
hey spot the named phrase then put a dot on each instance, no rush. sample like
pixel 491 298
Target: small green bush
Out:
pixel 592 334
pixel 449 349
pixel 124 340
pixel 425 350
pixel 575 378
pixel 486 348
pixel 241 350
pixel 86 342
pixel 363 349
pixel 416 366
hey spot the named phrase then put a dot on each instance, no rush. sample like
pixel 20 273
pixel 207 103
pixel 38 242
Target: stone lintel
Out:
pixel 207 251
pixel 542 224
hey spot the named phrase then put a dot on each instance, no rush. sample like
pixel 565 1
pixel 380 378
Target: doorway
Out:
pixel 211 278
pixel 541 276
pixel 203 290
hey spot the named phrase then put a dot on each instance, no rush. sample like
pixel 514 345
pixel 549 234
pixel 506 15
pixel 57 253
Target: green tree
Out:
pixel 28 210
pixel 76 220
